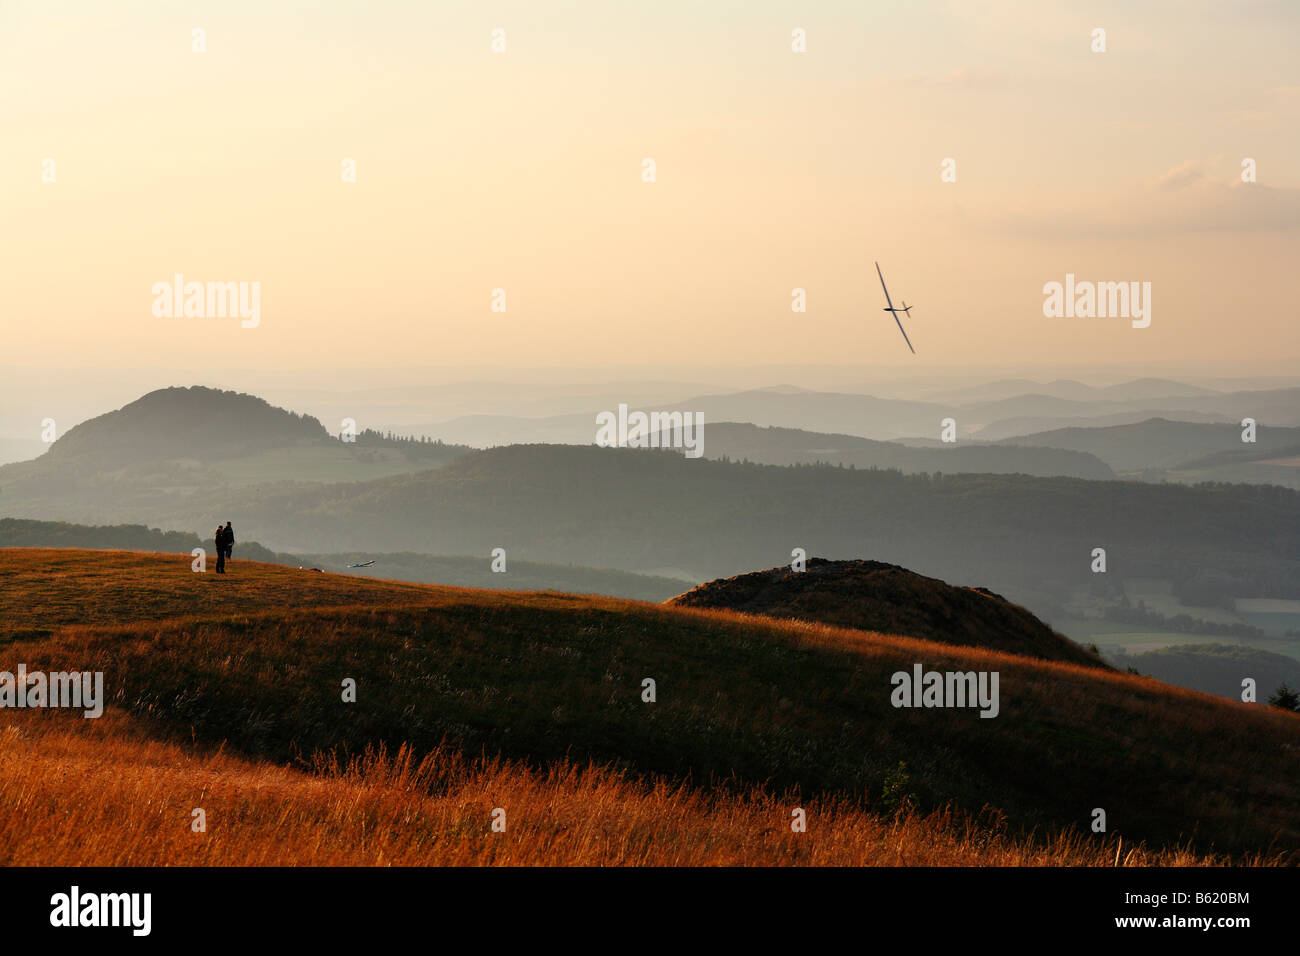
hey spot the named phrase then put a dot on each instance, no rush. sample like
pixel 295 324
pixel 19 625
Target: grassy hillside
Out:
pixel 253 663
pixel 460 570
pixel 476 572
pixel 125 800
pixel 873 596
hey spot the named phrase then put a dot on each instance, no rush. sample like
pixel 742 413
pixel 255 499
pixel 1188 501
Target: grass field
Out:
pixel 224 693
pixel 107 797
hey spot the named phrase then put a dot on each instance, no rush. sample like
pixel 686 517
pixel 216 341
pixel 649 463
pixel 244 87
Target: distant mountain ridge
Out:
pixel 773 445
pixel 1161 443
pixel 887 419
pixel 1142 388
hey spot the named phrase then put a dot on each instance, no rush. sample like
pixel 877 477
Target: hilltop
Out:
pixel 206 424
pixel 873 596
pixel 750 715
pixel 163 457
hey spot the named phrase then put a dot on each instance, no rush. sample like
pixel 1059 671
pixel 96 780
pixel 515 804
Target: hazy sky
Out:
pixel 522 170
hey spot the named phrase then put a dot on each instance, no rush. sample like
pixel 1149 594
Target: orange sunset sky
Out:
pixel 522 170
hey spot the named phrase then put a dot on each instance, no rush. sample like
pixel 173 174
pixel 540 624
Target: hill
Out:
pixel 163 457
pixel 1009 429
pixel 873 596
pixel 27 533
pixel 1159 443
pixel 244 672
pixel 791 446
pixel 1274 407
pixel 205 424
pixel 649 511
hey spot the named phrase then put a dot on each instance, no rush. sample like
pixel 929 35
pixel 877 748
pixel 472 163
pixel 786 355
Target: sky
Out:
pixel 522 171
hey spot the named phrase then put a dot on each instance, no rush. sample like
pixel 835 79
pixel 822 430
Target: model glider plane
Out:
pixel 906 309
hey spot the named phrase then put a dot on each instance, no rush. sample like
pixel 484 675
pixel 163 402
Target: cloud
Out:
pixel 1189 198
pixel 1187 173
pixel 958 79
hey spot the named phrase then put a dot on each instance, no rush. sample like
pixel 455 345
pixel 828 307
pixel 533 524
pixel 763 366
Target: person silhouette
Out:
pixel 219 541
pixel 229 537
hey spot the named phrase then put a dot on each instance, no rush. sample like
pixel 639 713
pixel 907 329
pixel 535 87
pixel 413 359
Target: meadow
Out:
pixel 227 693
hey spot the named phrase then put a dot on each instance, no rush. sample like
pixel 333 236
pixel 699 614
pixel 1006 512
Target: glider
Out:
pixel 366 565
pixel 893 311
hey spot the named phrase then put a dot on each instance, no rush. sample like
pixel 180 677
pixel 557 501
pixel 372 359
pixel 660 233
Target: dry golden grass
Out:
pixel 251 663
pixel 46 589
pixel 101 795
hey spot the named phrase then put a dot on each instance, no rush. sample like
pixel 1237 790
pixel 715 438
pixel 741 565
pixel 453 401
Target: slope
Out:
pixel 255 664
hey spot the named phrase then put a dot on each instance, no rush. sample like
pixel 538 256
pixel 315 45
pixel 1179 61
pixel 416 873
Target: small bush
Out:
pixel 1285 698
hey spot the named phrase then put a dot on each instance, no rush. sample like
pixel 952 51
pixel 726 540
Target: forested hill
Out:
pixel 650 510
pixel 194 422
pixel 791 446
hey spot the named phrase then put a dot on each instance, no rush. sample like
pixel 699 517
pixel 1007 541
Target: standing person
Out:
pixel 230 541
pixel 219 540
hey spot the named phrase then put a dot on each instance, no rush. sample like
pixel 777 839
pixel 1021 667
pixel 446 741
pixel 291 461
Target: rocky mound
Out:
pixel 874 596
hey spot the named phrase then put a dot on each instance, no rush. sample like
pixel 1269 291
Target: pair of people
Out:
pixel 224 541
